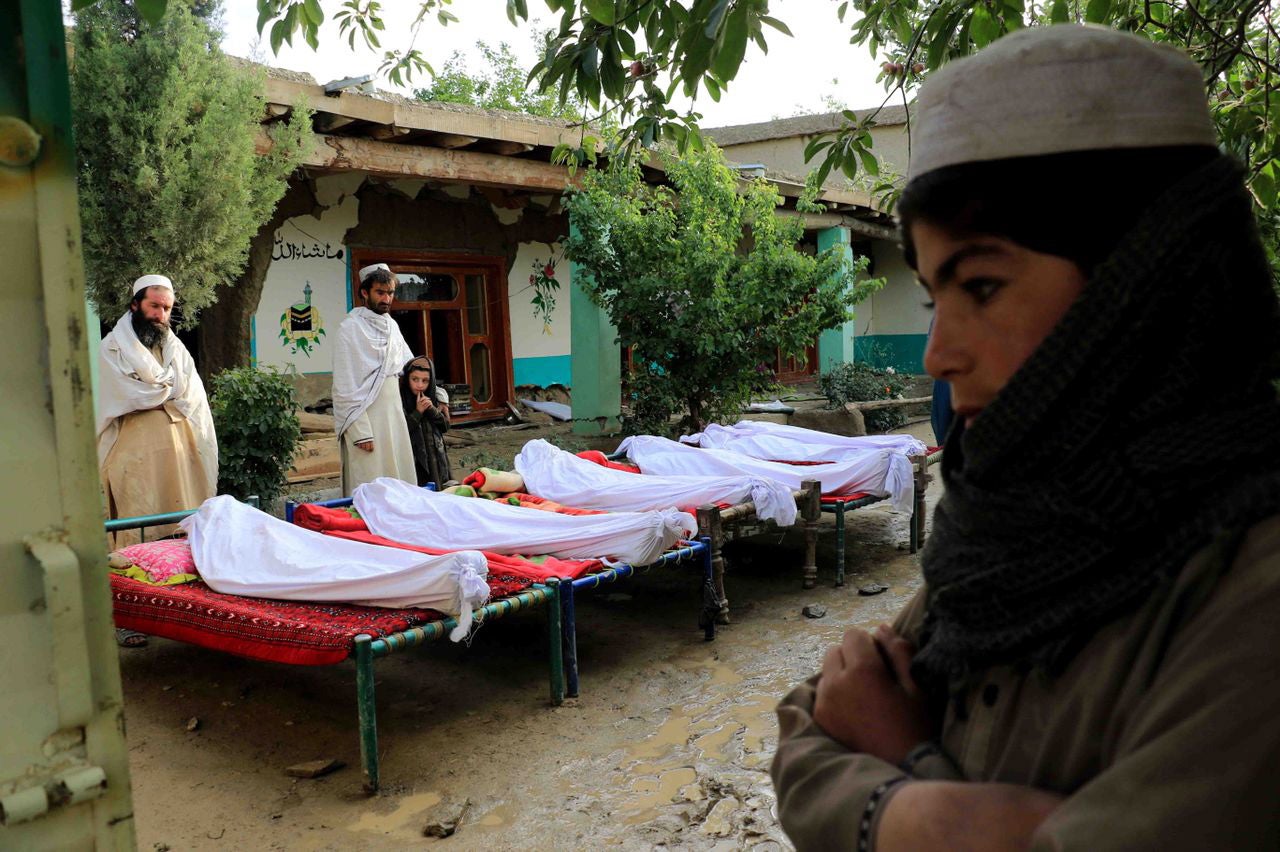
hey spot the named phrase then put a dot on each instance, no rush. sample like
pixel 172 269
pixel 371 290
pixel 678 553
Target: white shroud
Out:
pixel 403 512
pixel 884 473
pixel 239 550
pixel 778 442
pixel 557 475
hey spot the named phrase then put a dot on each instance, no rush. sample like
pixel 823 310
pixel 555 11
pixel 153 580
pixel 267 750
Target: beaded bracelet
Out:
pixel 927 749
pixel 868 813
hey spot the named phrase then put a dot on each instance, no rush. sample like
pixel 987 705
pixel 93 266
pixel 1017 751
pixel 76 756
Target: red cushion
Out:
pixel 597 457
pixel 324 518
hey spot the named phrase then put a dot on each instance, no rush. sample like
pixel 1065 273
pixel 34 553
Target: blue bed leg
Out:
pixel 710 597
pixel 570 630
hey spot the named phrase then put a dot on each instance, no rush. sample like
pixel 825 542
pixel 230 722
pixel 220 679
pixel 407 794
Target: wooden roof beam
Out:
pixel 389 134
pixel 327 123
pixel 451 140
pixel 461 122
pixel 276 112
pixel 506 148
pixel 386 159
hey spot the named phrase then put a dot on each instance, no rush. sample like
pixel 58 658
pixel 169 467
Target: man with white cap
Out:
pixel 157 451
pixel 1090 662
pixel 368 417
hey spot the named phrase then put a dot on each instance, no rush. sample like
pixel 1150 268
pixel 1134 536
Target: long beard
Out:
pixel 150 334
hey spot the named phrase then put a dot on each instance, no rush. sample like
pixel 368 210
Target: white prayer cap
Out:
pixel 152 281
pixel 366 271
pixel 1055 89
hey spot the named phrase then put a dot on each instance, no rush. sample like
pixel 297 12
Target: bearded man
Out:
pixel 157 451
pixel 368 418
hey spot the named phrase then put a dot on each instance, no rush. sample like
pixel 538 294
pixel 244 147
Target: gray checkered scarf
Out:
pixel 1140 429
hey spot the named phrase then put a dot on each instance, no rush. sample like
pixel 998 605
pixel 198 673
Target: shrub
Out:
pixel 860 382
pixel 258 431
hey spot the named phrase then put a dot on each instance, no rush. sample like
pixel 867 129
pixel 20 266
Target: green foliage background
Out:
pixel 857 381
pixel 704 282
pixel 258 432
pixel 499 84
pixel 166 128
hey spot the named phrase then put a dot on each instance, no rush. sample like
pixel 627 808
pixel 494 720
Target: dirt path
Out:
pixel 668 746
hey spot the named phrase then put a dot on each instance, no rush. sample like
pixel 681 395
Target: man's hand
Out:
pixel 367 446
pixel 866 698
pixel 424 402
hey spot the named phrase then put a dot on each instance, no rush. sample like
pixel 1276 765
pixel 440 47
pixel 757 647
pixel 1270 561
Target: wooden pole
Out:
pixel 710 526
pixel 811 511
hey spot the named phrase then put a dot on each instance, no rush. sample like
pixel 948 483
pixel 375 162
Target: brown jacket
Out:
pixel 1163 733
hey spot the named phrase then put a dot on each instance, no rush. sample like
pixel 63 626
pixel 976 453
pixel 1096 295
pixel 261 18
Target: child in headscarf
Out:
pixel 1093 660
pixel 428 419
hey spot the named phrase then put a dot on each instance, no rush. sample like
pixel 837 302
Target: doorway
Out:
pixel 453 308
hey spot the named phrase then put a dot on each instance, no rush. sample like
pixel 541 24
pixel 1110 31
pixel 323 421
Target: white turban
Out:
pixel 152 281
pixel 366 271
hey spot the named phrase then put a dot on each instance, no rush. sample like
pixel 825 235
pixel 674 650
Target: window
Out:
pixel 431 287
pixel 477 307
pixel 481 386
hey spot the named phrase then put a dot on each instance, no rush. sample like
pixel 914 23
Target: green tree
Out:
pixel 704 283
pixel 166 129
pixel 502 84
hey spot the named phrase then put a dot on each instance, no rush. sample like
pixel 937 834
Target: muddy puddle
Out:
pixel 668 745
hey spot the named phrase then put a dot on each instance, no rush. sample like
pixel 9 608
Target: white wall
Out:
pixel 899 307
pixel 309 250
pixel 530 338
pixel 539 352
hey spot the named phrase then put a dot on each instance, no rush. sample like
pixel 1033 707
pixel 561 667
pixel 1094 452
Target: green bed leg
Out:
pixel 368 712
pixel 839 545
pixel 555 639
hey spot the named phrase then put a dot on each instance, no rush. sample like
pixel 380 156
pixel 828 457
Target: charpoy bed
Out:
pixel 299 633
pixel 567 586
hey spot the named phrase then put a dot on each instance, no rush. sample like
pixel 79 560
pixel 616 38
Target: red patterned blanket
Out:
pixel 304 634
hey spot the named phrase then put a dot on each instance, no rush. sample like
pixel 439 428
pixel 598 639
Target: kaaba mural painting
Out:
pixel 301 326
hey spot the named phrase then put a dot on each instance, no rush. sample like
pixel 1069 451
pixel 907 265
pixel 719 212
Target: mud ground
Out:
pixel 667 747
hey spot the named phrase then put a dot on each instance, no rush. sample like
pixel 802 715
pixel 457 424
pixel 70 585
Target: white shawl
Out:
pixel 370 349
pixel 402 512
pixel 239 550
pixel 131 379
pixel 561 476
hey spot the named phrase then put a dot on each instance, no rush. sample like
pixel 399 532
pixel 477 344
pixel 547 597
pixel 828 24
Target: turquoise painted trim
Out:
pixel 596 361
pixel 253 341
pixel 350 301
pixel 903 352
pixel 543 370
pixel 94 339
pixel 835 345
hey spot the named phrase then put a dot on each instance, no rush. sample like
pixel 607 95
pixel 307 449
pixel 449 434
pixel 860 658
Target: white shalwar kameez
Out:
pixel 369 355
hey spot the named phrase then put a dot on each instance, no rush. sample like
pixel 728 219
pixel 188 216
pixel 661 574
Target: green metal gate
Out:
pixel 64 780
